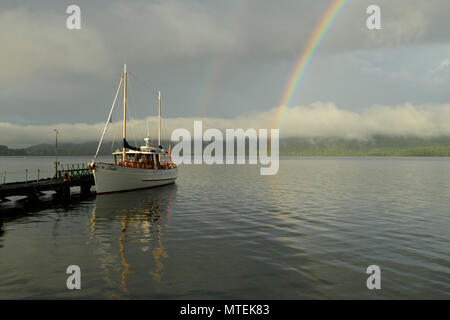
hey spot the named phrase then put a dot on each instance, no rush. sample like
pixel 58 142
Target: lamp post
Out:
pixel 56 152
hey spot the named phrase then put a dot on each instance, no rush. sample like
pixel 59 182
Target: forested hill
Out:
pixel 374 146
pixel 64 149
pixel 331 146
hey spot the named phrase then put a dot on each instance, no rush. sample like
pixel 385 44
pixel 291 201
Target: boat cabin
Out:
pixel 145 157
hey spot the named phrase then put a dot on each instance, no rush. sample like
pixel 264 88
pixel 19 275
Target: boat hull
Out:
pixel 111 178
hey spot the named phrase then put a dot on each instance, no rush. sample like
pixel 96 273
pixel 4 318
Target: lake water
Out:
pixel 226 232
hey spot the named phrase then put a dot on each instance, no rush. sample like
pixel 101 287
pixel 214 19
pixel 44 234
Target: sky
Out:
pixel 225 61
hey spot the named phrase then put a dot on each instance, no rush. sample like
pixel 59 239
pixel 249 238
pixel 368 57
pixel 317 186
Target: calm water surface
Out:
pixel 225 232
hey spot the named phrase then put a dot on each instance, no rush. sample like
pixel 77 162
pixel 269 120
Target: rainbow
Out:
pixel 306 57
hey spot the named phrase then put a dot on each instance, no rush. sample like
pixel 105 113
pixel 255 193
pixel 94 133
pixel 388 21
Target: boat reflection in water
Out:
pixel 126 233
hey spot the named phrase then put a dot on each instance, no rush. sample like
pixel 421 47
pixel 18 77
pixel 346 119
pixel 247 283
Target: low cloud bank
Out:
pixel 317 120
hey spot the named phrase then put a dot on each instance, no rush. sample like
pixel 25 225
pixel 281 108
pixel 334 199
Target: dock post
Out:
pixel 66 192
pixel 63 192
pixel 33 195
pixel 85 189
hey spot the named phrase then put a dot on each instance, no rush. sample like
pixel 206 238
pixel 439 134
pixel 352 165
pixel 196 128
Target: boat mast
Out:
pixel 159 118
pixel 124 109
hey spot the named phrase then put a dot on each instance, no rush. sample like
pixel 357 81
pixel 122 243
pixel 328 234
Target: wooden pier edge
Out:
pixel 75 175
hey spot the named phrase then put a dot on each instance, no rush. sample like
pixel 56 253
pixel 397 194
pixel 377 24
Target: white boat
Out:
pixel 133 168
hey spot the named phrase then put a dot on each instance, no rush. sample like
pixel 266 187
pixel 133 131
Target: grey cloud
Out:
pixel 216 58
pixel 270 30
pixel 35 41
pixel 404 23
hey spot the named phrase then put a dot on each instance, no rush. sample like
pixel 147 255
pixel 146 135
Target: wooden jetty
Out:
pixel 72 175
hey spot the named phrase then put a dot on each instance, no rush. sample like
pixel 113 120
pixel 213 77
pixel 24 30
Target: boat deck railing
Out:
pixel 143 165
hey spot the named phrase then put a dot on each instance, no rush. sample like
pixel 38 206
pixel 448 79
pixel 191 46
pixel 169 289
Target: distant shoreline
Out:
pixel 377 146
